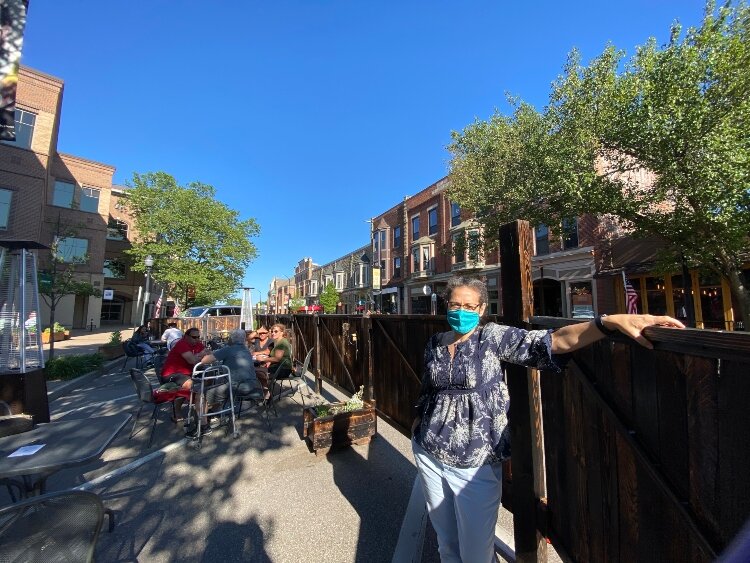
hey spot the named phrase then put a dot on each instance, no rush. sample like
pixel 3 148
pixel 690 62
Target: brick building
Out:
pixel 45 194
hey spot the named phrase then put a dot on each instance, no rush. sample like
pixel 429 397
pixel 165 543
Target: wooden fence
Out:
pixel 629 455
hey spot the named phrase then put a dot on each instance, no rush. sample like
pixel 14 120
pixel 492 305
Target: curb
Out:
pixel 62 390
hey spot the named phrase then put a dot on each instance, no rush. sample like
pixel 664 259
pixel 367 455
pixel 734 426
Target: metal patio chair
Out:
pixel 148 395
pixel 60 526
pixel 298 375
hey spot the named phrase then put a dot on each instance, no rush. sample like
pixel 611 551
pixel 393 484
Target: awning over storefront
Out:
pixel 385 291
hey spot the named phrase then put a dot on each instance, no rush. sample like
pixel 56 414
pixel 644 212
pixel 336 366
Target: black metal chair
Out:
pixel 298 375
pixel 60 526
pixel 148 395
pixel 254 396
pixel 132 351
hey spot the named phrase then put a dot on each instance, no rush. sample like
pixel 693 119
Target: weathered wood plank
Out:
pixel 673 426
pixel 645 399
pixel 703 442
pixel 734 453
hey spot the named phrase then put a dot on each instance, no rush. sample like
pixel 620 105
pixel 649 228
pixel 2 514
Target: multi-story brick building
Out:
pixel 280 292
pixel 46 195
pixel 350 275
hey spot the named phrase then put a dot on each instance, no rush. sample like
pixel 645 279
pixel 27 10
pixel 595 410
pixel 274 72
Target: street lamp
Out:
pixel 149 263
pixel 366 263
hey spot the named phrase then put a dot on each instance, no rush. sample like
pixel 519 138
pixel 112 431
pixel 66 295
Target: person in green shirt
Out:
pixel 280 358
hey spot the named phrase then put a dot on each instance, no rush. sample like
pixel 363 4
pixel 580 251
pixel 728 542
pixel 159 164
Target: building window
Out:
pixel 474 245
pixel 459 247
pixel 70 249
pixel 415 227
pixel 114 269
pixel 379 243
pixel 656 297
pixel 426 258
pixel 712 301
pixel 494 296
pixel 117 229
pixel 339 281
pixel 361 278
pixel 89 200
pixel 313 287
pixel 455 214
pixel 24 122
pixel 542 239
pixel 432 221
pixel 328 280
pixel 397 237
pixel 62 195
pixel 570 233
pixel 5 198
pixel 383 270
pixel 415 260
pixel 397 267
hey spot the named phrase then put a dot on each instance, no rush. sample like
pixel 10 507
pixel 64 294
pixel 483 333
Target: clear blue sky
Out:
pixel 310 116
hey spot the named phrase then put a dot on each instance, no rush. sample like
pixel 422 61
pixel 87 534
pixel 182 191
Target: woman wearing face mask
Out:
pixel 461 435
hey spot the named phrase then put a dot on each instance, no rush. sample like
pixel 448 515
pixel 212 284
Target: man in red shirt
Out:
pixel 186 352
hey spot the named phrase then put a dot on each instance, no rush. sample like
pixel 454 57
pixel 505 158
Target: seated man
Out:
pixel 238 359
pixel 171 335
pixel 141 339
pixel 185 353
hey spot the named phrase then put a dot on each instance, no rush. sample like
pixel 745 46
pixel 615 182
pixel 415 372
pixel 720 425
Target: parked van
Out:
pixel 212 311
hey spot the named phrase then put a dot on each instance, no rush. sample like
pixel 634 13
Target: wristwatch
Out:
pixel 603 329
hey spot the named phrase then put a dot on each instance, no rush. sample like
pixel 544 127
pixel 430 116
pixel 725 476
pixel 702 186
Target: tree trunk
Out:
pixel 51 330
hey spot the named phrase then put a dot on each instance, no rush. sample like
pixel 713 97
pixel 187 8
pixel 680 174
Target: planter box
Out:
pixel 343 429
pixel 58 336
pixel 66 335
pixel 111 352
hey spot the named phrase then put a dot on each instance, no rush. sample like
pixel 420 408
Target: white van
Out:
pixel 210 311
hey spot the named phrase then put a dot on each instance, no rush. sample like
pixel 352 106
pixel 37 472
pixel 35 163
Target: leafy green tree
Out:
pixel 197 242
pixel 59 279
pixel 295 303
pixel 329 298
pixel 660 143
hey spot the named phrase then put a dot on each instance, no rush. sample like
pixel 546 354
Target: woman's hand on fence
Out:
pixel 633 325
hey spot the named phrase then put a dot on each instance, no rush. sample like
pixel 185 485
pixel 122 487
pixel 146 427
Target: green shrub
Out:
pixel 69 367
pixel 115 338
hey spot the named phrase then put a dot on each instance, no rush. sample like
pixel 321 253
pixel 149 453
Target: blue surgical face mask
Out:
pixel 463 321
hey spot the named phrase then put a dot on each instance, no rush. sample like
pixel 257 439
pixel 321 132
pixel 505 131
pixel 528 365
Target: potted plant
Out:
pixel 339 424
pixel 113 348
pixel 57 333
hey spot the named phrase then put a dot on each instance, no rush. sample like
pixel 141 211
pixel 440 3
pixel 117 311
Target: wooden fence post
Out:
pixel 525 415
pixel 369 366
pixel 318 375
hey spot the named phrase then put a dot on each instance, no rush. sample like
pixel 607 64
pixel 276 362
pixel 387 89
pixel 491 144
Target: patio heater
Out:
pixel 246 313
pixel 22 382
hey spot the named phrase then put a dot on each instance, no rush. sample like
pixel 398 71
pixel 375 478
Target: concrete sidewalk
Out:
pixel 83 341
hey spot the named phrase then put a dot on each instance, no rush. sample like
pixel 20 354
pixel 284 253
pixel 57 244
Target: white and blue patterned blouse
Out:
pixel 464 403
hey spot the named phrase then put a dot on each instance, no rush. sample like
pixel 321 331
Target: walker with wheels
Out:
pixel 205 377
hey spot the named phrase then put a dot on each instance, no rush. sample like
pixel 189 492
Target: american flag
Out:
pixel 157 309
pixel 631 298
pixel 176 311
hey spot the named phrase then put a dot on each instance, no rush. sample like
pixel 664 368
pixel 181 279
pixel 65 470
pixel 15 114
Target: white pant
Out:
pixel 462 504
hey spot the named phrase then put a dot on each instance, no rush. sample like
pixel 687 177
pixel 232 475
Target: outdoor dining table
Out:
pixel 64 443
